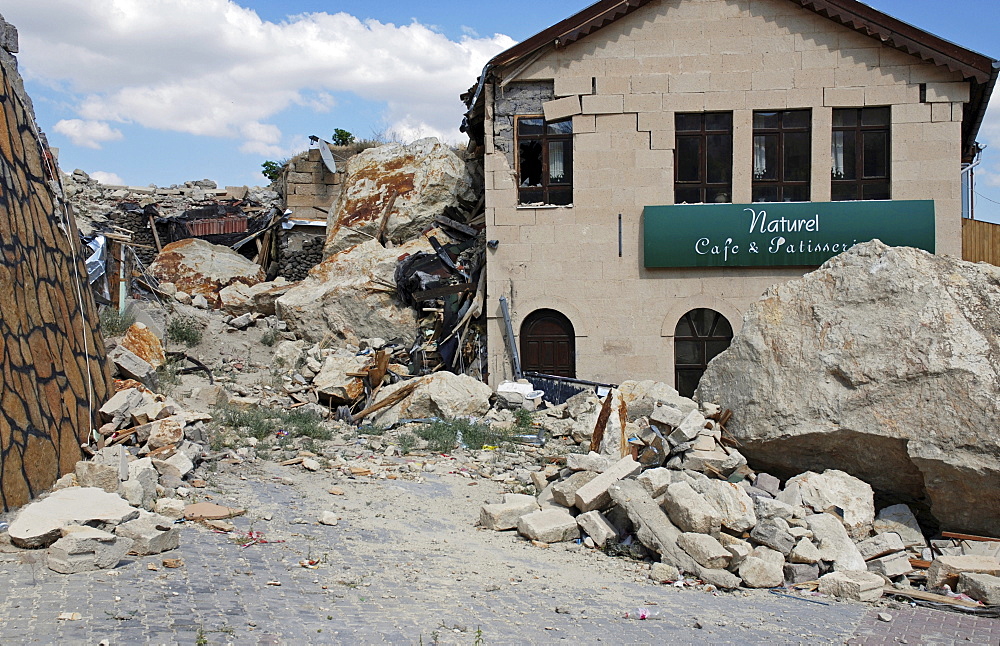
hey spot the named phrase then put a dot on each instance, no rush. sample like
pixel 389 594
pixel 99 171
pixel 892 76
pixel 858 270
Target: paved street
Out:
pixel 392 572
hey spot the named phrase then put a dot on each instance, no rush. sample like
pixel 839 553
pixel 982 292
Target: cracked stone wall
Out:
pixel 54 376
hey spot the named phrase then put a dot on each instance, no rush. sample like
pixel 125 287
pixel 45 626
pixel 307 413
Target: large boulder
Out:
pixel 883 363
pixel 442 394
pixel 345 296
pixel 197 267
pixel 426 177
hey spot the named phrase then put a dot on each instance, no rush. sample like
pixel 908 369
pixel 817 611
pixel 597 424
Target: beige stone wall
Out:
pixel 692 55
pixel 309 188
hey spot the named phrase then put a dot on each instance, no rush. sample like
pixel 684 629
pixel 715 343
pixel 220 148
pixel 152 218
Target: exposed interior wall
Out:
pixel 622 87
pixel 51 352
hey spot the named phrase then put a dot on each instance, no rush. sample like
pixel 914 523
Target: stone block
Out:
pixel 800 572
pixel 667 417
pixel 603 104
pixel 735 507
pixel 568 85
pixel 664 573
pixel 773 533
pixel 594 494
pixel 981 587
pixel 947 92
pixel 548 526
pixel 838 97
pixel 768 483
pixel 40 523
pixel 140 488
pixel 946 569
pixel 880 545
pixel 891 565
pixel 86 549
pixel 738 552
pixel 834 490
pixel 591 462
pixel 596 526
pixel 690 511
pixel 704 549
pixel 91 474
pixel 656 480
pixel 804 552
pixel 857 586
pixel 692 424
pixel 117 410
pixel 561 108
pixel 164 432
pixel 834 544
pixel 564 492
pixel 151 533
pixel 131 366
pixel 767 554
pixel 758 573
pixel 503 516
pixel 170 507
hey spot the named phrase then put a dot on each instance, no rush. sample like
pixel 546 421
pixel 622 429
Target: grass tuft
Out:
pixel 115 323
pixel 184 329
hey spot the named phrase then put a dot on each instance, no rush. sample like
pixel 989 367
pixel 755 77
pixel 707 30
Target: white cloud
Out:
pixel 211 67
pixel 90 134
pixel 108 179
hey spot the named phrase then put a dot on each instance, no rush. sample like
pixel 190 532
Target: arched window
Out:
pixel 700 335
pixel 548 344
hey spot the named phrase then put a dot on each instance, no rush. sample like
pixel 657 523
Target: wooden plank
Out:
pixel 929 596
pixel 920 564
pixel 384 222
pixel 156 236
pixel 968 537
pixel 602 423
pixel 394 398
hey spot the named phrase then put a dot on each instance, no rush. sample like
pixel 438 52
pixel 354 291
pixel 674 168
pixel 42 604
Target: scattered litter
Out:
pixel 173 563
pixel 69 616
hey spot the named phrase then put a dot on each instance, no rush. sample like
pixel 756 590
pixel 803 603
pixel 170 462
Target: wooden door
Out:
pixel 548 344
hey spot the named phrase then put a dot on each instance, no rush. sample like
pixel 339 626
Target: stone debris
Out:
pixel 85 549
pixel 40 523
pixel 150 533
pixel 857 586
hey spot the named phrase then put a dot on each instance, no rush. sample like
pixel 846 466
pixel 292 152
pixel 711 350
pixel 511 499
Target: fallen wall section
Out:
pixel 54 376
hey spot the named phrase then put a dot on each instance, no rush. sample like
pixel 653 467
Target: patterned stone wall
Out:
pixel 54 376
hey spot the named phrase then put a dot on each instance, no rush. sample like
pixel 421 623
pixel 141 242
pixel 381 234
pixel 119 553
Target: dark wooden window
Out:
pixel 544 161
pixel 548 344
pixel 703 157
pixel 700 335
pixel 860 154
pixel 781 155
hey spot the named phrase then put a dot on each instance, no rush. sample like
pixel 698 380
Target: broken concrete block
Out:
pixel 656 480
pixel 735 507
pixel 704 549
pixel 830 536
pixel 766 508
pixel 92 474
pixel 591 462
pixel 548 526
pixel 899 519
pixel 768 483
pixel 690 511
pixel 738 552
pixel 165 432
pixel 594 494
pixel 804 552
pixel 329 518
pixel 891 565
pixel 596 526
pixel 688 429
pixel 504 516
pixel 666 417
pixel 132 367
pixel 181 463
pixel 170 507
pixel 773 533
pixel 151 533
pixel 946 569
pixel 40 523
pixel 140 488
pixel 981 587
pixel 880 545
pixel 857 586
pixel 834 490
pixel 117 410
pixel 564 492
pixel 800 572
pixel 86 549
pixel 758 573
pixel 664 573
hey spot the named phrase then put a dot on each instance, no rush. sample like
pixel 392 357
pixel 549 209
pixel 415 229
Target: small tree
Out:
pixel 342 137
pixel 272 169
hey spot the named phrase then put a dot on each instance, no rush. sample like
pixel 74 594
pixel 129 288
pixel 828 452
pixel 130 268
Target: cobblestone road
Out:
pixel 433 578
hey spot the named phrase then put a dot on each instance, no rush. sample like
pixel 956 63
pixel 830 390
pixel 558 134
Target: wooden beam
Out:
pixel 968 537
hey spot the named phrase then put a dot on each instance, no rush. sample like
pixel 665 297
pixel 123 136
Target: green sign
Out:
pixel 779 234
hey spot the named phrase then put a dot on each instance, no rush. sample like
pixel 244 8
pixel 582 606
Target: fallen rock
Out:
pixel 706 550
pixel 773 533
pixel 564 491
pixel 503 516
pixel 834 543
pixel 590 462
pixel 880 545
pixel 200 268
pixel 981 587
pixel 857 586
pixel 86 549
pixel 758 573
pixel 594 494
pixel 334 384
pixel 442 394
pixel 40 523
pixel 91 474
pixel 163 432
pixel 800 572
pixel 736 508
pixel 140 341
pixel 834 491
pixel 900 520
pixel 690 511
pixel 170 507
pixel 597 527
pixel 804 552
pixel 130 366
pixel 151 533
pixel 118 409
pixel 664 573
pixel 891 565
pixel 852 366
pixel 548 526
pixel 329 518
pixel 946 569
pixel 425 177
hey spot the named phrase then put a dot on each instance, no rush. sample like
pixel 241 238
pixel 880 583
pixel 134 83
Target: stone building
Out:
pixel 652 166
pixel 54 375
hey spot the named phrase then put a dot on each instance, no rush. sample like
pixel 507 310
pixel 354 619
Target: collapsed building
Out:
pixel 652 167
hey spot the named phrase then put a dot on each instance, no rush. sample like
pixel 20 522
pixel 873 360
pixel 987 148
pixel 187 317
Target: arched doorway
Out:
pixel 700 335
pixel 548 344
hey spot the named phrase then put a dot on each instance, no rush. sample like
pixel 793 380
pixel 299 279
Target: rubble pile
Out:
pixel 294 265
pixel 670 486
pixel 885 363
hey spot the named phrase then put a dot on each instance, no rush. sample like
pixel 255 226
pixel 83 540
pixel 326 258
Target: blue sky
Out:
pixel 165 91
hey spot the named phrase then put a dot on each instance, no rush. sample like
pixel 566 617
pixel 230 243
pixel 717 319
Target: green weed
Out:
pixel 269 338
pixel 115 323
pixel 443 435
pixel 184 329
pixel 407 442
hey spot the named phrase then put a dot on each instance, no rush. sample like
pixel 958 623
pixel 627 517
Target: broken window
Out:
pixel 703 157
pixel 782 155
pixel 860 154
pixel 544 161
pixel 699 337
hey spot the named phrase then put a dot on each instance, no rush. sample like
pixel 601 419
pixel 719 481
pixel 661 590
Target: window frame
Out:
pixel 699 339
pixel 547 188
pixel 781 132
pixel 702 184
pixel 860 181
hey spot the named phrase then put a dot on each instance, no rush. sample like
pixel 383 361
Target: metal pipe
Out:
pixel 511 345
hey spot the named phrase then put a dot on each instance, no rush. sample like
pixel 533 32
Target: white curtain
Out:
pixel 837 153
pixel 759 156
pixel 557 163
